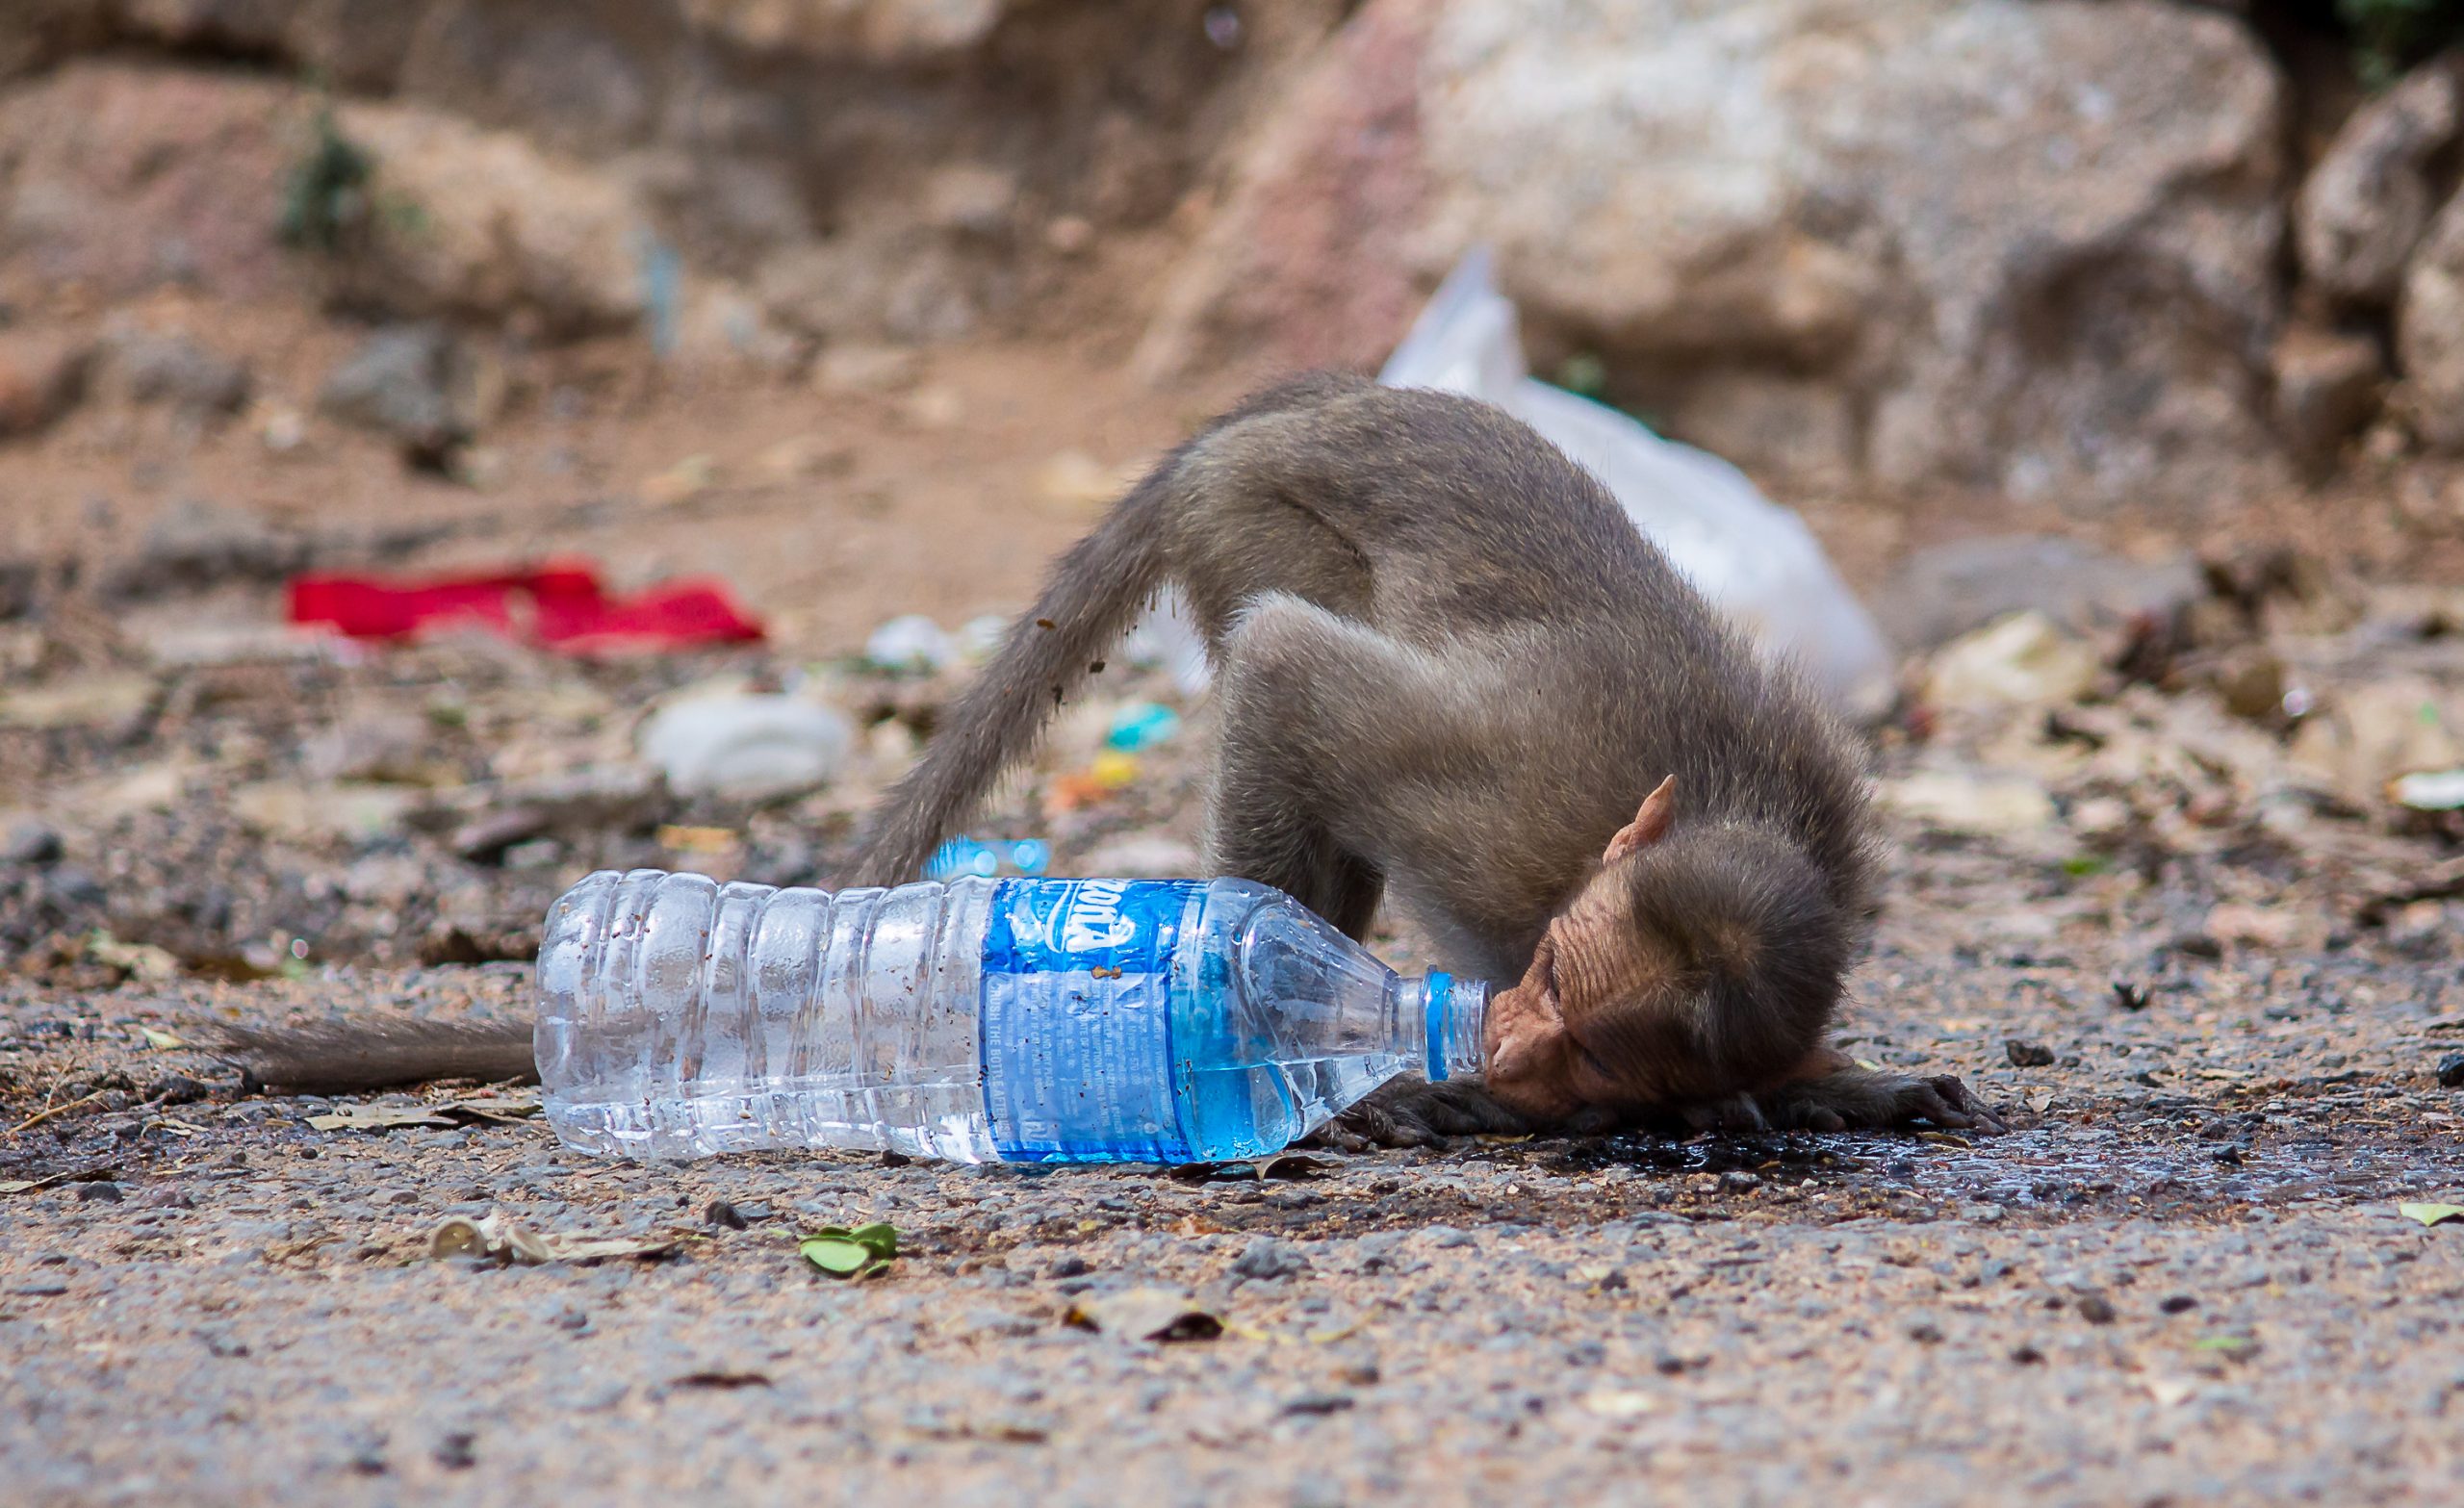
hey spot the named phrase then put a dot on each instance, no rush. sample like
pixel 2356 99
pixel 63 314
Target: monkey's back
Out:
pixel 1466 534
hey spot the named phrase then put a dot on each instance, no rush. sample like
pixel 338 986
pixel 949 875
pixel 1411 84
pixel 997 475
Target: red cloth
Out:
pixel 559 604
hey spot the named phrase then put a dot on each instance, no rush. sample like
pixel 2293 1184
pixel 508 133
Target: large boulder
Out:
pixel 2429 333
pixel 1983 241
pixel 465 220
pixel 121 178
pixel 2364 207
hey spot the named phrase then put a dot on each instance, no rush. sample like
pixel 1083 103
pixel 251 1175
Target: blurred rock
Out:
pixel 1949 590
pixel 2429 333
pixel 124 177
pixel 403 382
pixel 746 747
pixel 2326 388
pixel 42 378
pixel 387 746
pixel 2023 660
pixel 316 813
pixel 28 841
pixel 1143 856
pixel 479 222
pixel 2364 207
pixel 173 369
pixel 2364 736
pixel 2059 279
pixel 1971 802
pixel 195 544
pixel 885 31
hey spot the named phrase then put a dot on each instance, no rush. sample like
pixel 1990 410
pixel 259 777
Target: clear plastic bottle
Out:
pixel 977 1020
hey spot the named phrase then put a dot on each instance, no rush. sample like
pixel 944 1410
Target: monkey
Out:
pixel 1451 676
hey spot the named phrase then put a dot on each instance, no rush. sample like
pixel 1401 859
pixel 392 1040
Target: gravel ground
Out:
pixel 2183 1279
pixel 2165 917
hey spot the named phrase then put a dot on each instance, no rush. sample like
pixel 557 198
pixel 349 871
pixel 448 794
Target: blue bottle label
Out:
pixel 1077 1020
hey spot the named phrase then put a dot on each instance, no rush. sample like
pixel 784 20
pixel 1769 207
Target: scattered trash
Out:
pixel 1144 1314
pixel 910 644
pixel 863 1252
pixel 746 747
pixel 2431 1214
pixel 1753 559
pixel 2429 790
pixel 1974 803
pixel 445 1115
pixel 979 639
pixel 1111 772
pixel 2023 660
pixel 137 960
pixel 499 1238
pixel 1140 725
pixel 559 605
pixel 78 702
pixel 966 855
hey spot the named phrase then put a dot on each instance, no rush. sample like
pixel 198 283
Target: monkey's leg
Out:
pixel 1322 716
pixel 1298 683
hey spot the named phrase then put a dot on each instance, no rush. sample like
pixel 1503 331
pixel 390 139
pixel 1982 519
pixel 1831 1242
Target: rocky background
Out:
pixel 2113 349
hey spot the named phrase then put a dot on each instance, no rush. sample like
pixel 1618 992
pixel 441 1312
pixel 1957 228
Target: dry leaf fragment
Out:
pixel 159 1040
pixel 1619 1403
pixel 2431 1214
pixel 1144 1314
pixel 499 1238
pixel 381 1117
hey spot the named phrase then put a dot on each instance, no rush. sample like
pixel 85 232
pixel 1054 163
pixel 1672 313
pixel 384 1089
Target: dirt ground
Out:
pixel 2216 1020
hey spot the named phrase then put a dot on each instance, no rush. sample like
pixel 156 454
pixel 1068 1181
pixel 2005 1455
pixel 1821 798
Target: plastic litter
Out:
pixel 746 747
pixel 1142 726
pixel 911 643
pixel 978 1020
pixel 982 858
pixel 1753 559
pixel 561 605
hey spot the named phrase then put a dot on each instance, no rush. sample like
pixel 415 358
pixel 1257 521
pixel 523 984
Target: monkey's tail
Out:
pixel 1093 596
pixel 380 1053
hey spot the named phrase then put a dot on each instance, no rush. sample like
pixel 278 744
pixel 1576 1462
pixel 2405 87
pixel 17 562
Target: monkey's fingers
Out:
pixel 1948 1103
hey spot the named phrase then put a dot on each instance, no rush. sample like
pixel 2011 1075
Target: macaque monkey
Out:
pixel 1452 675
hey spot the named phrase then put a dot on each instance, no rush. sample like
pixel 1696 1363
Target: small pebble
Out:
pixel 104 1193
pixel 2027 1054
pixel 2096 1309
pixel 2450 1071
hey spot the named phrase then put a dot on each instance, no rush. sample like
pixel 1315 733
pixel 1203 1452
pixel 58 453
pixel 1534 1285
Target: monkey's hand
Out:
pixel 1413 1113
pixel 1876 1097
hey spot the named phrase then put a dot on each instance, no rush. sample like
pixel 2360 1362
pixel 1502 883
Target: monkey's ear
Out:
pixel 1650 823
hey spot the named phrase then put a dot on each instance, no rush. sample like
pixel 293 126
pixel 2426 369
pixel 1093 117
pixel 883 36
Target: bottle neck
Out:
pixel 1448 1020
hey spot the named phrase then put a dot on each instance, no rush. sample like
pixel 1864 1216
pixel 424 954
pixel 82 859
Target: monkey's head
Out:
pixel 1699 962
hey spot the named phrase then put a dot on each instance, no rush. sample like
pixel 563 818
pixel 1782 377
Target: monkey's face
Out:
pixel 1688 970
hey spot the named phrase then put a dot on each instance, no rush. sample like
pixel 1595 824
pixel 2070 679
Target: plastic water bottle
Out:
pixel 1021 1020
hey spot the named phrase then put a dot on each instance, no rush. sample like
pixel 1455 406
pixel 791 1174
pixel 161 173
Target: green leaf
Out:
pixel 838 1257
pixel 879 1238
pixel 2431 1214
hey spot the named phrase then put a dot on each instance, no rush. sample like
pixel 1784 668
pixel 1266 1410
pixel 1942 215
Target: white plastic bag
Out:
pixel 1753 559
